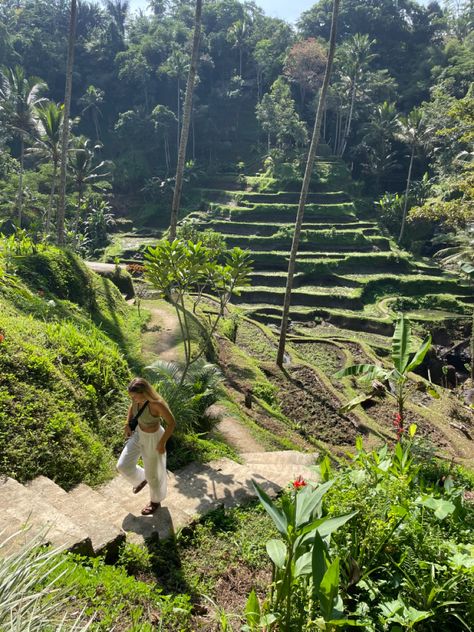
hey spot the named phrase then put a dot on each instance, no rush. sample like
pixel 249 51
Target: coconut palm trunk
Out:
pixel 306 183
pixel 186 119
pixel 65 131
pixel 407 190
pixel 47 226
pixel 19 204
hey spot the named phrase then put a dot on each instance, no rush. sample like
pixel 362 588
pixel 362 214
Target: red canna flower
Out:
pixel 398 423
pixel 2 337
pixel 299 483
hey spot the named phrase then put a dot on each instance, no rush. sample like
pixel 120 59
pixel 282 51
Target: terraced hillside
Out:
pixel 348 273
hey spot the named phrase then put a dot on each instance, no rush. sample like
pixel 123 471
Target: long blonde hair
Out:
pixel 140 385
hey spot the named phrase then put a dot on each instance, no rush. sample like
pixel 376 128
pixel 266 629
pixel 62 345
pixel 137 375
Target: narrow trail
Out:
pixel 161 339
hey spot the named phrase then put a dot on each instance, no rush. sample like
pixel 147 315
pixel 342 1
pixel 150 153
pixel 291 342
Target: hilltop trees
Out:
pixel 18 96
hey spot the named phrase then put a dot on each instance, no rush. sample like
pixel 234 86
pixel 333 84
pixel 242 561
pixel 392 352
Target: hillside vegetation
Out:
pixel 66 336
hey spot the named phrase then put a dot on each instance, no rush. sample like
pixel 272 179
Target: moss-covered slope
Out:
pixel 66 335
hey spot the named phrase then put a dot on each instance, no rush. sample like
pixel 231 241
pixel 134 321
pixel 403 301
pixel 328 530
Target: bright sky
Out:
pixel 290 11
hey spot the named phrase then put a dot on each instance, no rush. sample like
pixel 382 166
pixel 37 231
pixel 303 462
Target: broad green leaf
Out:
pixel 307 502
pixel 442 508
pixel 303 565
pixel 319 560
pixel 332 524
pixel 360 399
pixel 419 355
pixel 329 589
pixel 252 609
pixel 278 517
pixel 400 343
pixel 277 551
pixel 371 371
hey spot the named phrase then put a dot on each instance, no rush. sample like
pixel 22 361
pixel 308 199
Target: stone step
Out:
pixel 118 492
pixel 22 507
pixel 82 508
pixel 281 457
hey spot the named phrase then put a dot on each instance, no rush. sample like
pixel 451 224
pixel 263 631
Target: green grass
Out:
pixel 63 361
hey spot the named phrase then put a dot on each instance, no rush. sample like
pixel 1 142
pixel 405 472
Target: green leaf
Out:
pixel 371 371
pixel 278 517
pixel 400 343
pixel 329 589
pixel 332 524
pixel 252 609
pixel 303 564
pixel 442 508
pixel 360 399
pixel 277 551
pixel 308 501
pixel 319 560
pixel 420 354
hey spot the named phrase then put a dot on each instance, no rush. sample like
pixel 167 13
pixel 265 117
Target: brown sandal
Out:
pixel 139 487
pixel 150 509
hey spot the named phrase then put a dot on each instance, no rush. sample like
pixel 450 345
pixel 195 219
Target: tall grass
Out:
pixel 30 600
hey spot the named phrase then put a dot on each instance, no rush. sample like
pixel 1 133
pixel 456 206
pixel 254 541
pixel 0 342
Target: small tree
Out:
pixel 178 269
pixel 404 359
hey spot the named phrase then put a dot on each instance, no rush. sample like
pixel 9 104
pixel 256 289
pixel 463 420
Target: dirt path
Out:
pixel 162 336
pixel 162 339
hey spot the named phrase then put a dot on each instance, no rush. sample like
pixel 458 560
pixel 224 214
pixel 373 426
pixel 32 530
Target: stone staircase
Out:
pixel 97 521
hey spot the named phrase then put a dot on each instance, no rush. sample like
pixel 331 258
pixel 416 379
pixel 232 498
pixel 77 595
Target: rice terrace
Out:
pixel 236 316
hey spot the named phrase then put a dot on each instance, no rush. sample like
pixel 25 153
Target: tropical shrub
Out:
pixel 404 359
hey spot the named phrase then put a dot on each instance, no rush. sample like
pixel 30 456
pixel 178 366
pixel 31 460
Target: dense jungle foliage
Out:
pixel 400 104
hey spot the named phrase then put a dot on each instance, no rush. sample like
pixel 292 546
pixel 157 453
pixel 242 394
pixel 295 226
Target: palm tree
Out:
pixel 177 65
pixel 18 96
pixel 237 35
pixel 65 130
pixel 306 182
pixel 412 132
pixel 48 145
pixel 83 171
pixel 91 100
pixel 188 102
pixel 356 58
pixel 379 132
pixel 118 10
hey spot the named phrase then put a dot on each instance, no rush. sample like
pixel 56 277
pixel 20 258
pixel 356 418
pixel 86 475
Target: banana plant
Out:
pixel 301 558
pixel 404 360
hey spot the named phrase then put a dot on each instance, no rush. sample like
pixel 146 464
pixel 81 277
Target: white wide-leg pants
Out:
pixel 144 444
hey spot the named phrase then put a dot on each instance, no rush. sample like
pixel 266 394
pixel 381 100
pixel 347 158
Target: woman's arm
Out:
pixel 127 429
pixel 160 409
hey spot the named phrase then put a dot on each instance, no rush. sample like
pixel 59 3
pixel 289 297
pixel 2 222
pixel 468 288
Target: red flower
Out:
pixel 398 423
pixel 2 337
pixel 299 483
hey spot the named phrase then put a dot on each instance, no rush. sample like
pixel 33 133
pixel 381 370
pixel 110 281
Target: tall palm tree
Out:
pixel 379 132
pixel 65 129
pixel 91 100
pixel 412 132
pixel 356 57
pixel 188 102
pixel 18 96
pixel 84 171
pixel 177 65
pixel 306 182
pixel 48 145
pixel 238 35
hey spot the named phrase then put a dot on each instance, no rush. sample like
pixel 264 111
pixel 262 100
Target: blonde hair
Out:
pixel 140 385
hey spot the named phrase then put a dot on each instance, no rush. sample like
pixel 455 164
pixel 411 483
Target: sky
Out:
pixel 289 11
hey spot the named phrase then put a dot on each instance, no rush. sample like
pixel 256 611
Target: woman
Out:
pixel 148 441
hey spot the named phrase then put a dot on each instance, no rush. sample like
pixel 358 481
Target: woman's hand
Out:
pixel 161 446
pixel 127 430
